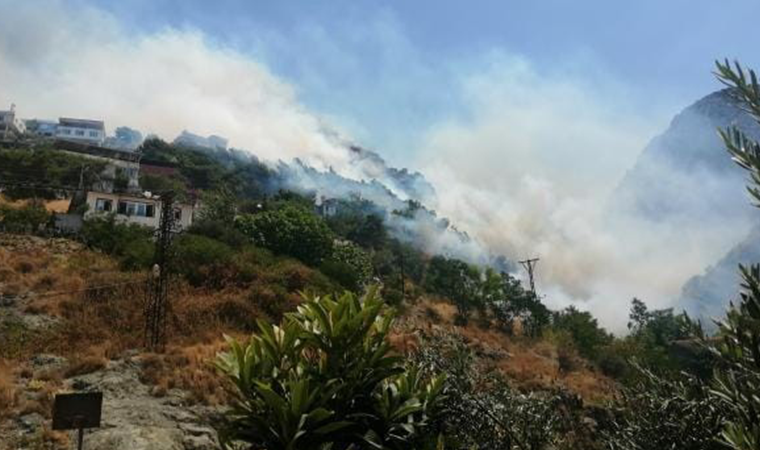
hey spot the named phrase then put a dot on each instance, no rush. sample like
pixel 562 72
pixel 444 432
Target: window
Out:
pixel 79 132
pixel 66 131
pixel 103 204
pixel 93 134
pixel 138 209
pixel 177 214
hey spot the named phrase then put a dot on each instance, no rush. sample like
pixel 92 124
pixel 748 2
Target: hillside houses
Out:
pixel 116 189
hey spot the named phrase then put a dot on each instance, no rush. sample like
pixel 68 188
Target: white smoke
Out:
pixel 78 61
pixel 530 170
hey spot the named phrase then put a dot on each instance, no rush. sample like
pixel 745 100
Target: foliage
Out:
pixel 456 280
pixel 202 260
pixel 325 378
pixel 482 411
pixel 661 413
pixel 131 243
pixel 584 329
pixel 289 230
pixel 161 183
pixel 50 168
pixel 27 218
pixel 219 205
pixel 221 231
pixel 505 297
pixel 738 382
pixel 357 259
pixel 653 334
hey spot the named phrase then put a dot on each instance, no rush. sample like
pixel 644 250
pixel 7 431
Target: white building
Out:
pixel 139 209
pixel 10 125
pixel 81 130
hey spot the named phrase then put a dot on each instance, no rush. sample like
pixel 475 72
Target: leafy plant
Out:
pixel 662 413
pixel 326 378
pixel 290 230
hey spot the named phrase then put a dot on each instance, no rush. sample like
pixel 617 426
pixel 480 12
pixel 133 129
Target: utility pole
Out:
pixel 530 265
pixel 157 302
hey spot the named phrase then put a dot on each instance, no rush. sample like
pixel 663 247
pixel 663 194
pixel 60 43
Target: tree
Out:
pixel 587 335
pixel 738 382
pixel 326 378
pixel 662 413
pixel 456 280
pixel 290 230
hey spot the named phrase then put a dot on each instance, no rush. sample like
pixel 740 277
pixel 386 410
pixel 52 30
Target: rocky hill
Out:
pixel 685 175
pixel 685 183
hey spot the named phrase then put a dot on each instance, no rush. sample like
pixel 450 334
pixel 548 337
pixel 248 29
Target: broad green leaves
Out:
pixel 327 378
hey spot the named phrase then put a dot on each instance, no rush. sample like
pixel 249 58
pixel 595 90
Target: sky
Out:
pixel 523 114
pixel 386 70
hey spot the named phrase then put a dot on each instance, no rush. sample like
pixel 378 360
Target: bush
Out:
pixel 202 260
pixel 585 331
pixel 325 378
pixel 26 219
pixel 221 231
pixel 661 413
pixel 132 244
pixel 290 230
pixel 343 273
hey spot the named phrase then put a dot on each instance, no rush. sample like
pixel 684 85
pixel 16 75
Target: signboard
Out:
pixel 77 411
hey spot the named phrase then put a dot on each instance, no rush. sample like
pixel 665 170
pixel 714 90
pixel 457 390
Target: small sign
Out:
pixel 77 411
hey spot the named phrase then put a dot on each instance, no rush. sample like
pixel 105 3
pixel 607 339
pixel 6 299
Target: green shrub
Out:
pixel 291 231
pixel 343 273
pixel 221 231
pixel 26 219
pixel 202 260
pixel 325 378
pixel 132 244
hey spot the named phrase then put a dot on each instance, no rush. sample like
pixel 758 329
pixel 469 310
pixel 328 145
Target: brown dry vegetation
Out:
pixel 95 325
pixel 530 363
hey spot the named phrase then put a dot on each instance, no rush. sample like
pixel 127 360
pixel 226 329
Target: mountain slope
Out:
pixel 685 174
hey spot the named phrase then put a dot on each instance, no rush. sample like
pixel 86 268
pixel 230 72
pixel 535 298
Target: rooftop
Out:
pixel 82 123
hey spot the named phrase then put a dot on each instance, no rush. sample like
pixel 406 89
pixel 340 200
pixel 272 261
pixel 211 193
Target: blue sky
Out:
pixel 386 69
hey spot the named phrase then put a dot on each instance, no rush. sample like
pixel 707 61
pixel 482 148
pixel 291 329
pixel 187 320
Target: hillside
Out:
pixel 62 330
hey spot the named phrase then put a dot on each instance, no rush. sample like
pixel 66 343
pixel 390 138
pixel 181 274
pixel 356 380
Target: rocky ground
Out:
pixel 133 416
pixel 136 414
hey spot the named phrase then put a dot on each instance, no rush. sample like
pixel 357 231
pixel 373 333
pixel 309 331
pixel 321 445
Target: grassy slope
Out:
pixel 92 326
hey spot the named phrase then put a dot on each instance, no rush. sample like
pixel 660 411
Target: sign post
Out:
pixel 77 411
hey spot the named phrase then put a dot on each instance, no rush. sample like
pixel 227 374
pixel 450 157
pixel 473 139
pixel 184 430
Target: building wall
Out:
pixel 186 211
pixel 81 134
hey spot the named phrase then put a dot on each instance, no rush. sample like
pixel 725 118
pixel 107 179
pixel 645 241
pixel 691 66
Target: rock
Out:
pixel 31 422
pixel 134 418
pixel 199 443
pixel 135 438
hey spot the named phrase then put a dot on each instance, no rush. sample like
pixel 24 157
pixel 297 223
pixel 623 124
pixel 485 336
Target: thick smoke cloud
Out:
pixel 533 169
pixel 78 61
pixel 525 168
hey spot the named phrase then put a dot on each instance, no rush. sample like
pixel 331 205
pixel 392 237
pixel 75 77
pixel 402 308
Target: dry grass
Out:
pixel 531 364
pixel 85 365
pixel 9 397
pixel 188 368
